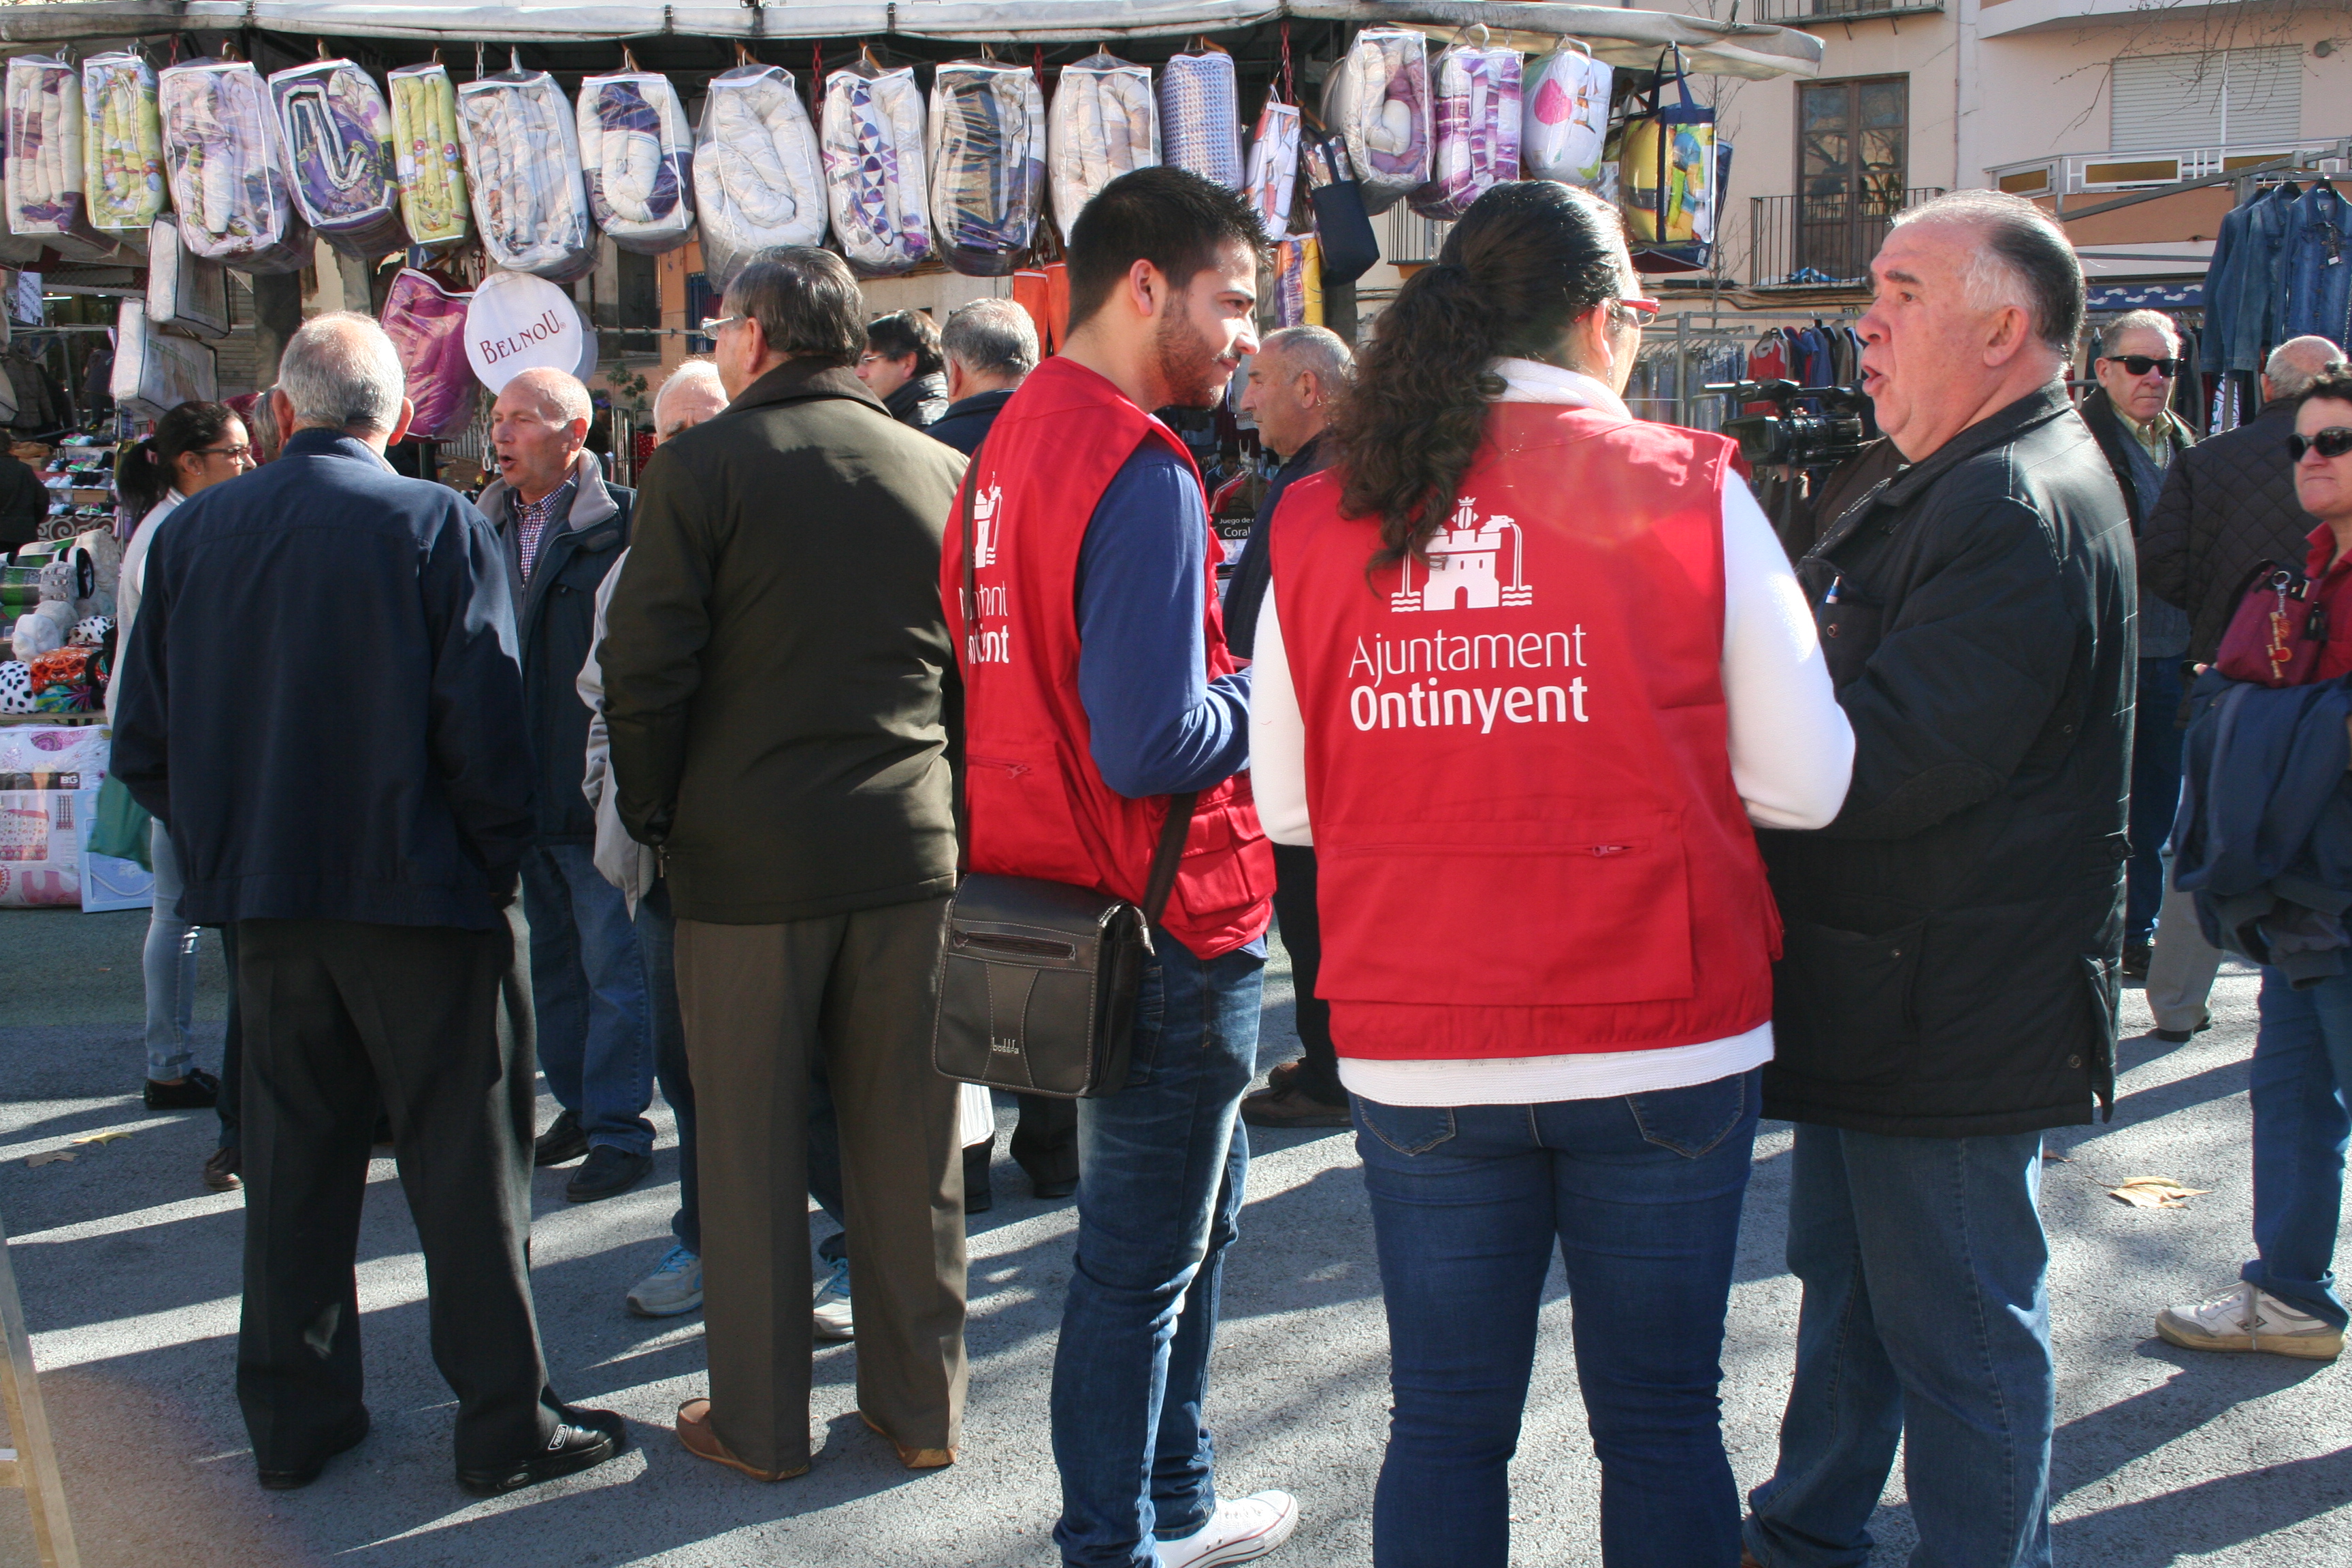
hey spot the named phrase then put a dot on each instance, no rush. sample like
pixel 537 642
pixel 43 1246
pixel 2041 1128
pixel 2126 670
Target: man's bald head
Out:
pixel 558 393
pixel 2295 364
pixel 537 428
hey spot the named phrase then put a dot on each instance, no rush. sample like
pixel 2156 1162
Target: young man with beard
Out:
pixel 1098 686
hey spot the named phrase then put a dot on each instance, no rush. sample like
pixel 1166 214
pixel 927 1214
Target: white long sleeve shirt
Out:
pixel 1791 758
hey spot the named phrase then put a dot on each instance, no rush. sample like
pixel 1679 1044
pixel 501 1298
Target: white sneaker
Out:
pixel 673 1287
pixel 832 1310
pixel 2244 1317
pixel 1241 1528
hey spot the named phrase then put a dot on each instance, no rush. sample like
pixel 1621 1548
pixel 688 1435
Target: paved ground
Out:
pixel 129 1272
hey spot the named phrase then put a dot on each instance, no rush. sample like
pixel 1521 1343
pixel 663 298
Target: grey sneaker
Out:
pixel 673 1287
pixel 2245 1318
pixel 832 1310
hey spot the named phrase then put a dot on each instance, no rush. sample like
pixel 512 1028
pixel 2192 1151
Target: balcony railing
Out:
pixel 1814 241
pixel 2069 174
pixel 1411 237
pixel 1797 12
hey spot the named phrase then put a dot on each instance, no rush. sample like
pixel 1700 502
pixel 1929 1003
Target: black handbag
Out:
pixel 1037 980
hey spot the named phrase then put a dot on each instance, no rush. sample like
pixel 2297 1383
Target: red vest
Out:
pixel 1526 838
pixel 1037 805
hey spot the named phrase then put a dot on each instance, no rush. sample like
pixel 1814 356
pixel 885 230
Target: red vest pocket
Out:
pixel 1562 913
pixel 1022 801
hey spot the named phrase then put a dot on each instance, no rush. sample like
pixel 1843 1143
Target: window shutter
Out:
pixel 2265 96
pixel 2232 96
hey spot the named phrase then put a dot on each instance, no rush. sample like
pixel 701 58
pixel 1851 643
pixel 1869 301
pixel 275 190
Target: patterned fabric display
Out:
pixel 1200 117
pixel 226 164
pixel 1274 166
pixel 430 167
pixel 987 154
pixel 522 160
pixel 338 131
pixel 637 158
pixel 757 181
pixel 1377 100
pixel 1477 129
pixel 874 169
pixel 426 323
pixel 1566 125
pixel 122 143
pixel 1104 122
pixel 47 194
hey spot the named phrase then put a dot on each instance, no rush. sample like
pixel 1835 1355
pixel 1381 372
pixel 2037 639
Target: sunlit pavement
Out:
pixel 130 1272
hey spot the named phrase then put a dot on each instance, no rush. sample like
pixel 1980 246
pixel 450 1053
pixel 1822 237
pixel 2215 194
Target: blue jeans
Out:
pixel 169 964
pixel 657 940
pixel 1161 1164
pixel 1641 1195
pixel 2155 791
pixel 588 993
pixel 2302 1081
pixel 1926 1317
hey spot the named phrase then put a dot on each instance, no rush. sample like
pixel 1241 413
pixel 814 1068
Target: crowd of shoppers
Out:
pixel 1687 833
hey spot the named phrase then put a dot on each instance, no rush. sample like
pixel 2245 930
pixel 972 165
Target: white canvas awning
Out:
pixel 1623 38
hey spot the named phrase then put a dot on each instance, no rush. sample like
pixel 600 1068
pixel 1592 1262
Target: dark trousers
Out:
pixel 1302 938
pixel 657 942
pixel 229 1105
pixel 339 1018
pixel 2155 791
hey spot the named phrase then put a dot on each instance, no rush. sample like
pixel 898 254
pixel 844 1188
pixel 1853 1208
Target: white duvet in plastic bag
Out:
pixel 338 131
pixel 184 289
pixel 637 155
pixel 46 179
pixel 427 158
pixel 875 170
pixel 123 143
pixel 226 164
pixel 1104 122
pixel 1200 117
pixel 757 180
pixel 522 161
pixel 155 372
pixel 1274 166
pixel 987 156
pixel 1565 125
pixel 1478 136
pixel 1376 100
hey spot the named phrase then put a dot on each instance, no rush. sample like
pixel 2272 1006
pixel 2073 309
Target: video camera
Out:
pixel 1803 440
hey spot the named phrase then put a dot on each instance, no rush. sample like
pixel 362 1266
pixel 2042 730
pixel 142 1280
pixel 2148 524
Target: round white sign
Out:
pixel 517 323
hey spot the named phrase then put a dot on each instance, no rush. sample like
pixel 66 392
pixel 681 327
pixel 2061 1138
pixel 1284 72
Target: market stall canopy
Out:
pixel 1624 38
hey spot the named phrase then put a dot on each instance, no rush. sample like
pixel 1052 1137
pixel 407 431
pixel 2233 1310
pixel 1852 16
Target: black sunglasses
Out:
pixel 2140 364
pixel 2332 442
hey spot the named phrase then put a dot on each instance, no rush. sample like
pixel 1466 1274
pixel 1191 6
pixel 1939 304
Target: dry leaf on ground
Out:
pixel 49 1156
pixel 2156 1193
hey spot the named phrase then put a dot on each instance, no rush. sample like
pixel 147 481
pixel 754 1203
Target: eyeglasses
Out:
pixel 1642 311
pixel 2140 364
pixel 234 454
pixel 869 356
pixel 712 324
pixel 2332 442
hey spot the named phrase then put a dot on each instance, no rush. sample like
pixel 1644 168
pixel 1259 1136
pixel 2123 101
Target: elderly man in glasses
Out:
pixel 2131 415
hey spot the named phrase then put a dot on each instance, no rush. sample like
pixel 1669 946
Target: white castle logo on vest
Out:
pixel 981 645
pixel 984 525
pixel 1463 559
pixel 1464 573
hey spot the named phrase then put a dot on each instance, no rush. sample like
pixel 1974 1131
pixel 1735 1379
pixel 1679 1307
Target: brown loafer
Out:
pixel 696 1435
pixel 913 1459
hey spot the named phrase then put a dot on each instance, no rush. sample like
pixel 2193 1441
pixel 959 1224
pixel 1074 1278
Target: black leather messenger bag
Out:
pixel 1038 978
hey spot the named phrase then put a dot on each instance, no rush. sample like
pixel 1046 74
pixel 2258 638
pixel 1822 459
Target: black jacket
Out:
pixel 1953 938
pixel 966 422
pixel 24 502
pixel 327 709
pixel 555 621
pixel 2106 427
pixel 2228 506
pixel 774 654
pixel 1253 573
pixel 920 401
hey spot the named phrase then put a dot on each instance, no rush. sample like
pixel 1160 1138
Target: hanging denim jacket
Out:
pixel 2318 265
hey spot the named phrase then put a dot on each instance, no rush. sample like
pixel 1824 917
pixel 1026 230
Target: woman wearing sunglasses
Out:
pixel 1529 671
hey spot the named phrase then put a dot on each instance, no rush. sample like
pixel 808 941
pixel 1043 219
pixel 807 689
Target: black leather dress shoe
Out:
pixel 562 1143
pixel 349 1437
pixel 1055 1189
pixel 585 1438
pixel 607 1174
pixel 200 1090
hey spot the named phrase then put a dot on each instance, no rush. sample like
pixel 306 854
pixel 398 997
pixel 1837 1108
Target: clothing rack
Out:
pixel 1746 325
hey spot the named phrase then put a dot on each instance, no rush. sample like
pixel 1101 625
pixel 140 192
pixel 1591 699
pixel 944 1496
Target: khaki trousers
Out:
pixel 759 1002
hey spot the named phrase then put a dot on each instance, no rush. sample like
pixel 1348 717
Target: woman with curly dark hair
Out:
pixel 1529 671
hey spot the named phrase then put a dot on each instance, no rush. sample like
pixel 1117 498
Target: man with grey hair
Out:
pixel 690 395
pixel 2227 506
pixel 563 528
pixel 353 793
pixel 1948 983
pixel 991 346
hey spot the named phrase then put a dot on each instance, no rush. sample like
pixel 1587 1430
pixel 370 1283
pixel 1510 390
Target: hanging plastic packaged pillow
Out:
pixel 425 320
pixel 1376 100
pixel 226 164
pixel 184 291
pixel 522 166
pixel 874 175
pixel 1201 115
pixel 1274 166
pixel 636 154
pixel 1565 127
pixel 1103 123
pixel 122 143
pixel 44 172
pixel 155 372
pixel 757 181
pixel 986 150
pixel 338 131
pixel 1476 148
pixel 426 158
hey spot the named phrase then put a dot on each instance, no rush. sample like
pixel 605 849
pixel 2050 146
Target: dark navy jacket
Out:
pixel 967 419
pixel 2264 833
pixel 327 709
pixel 1253 573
